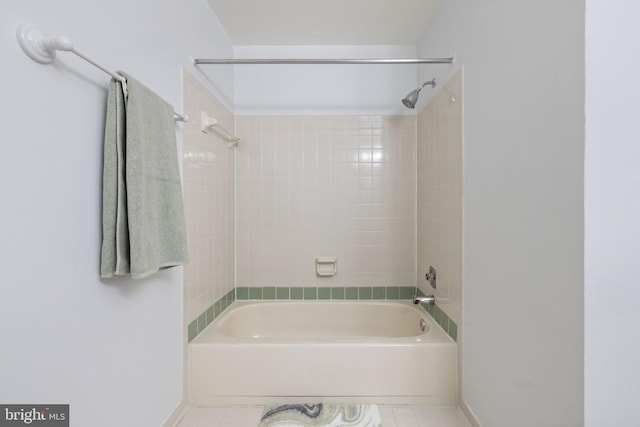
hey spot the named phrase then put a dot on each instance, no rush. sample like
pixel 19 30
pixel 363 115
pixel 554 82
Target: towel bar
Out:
pixel 42 48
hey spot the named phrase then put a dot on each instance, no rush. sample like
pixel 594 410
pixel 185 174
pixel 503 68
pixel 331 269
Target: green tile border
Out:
pixel 282 293
pixel 351 293
pixel 407 292
pixel 268 293
pixel 379 292
pixel 441 318
pixel 312 293
pixel 393 292
pixel 365 292
pixel 337 293
pixel 192 330
pixel 324 293
pixel 296 293
pixel 209 315
pixel 242 293
pixel 256 293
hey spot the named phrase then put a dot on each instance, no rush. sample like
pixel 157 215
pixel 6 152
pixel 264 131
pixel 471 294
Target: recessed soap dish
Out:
pixel 326 266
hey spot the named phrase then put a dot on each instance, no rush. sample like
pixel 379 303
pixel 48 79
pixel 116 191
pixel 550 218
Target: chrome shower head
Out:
pixel 411 99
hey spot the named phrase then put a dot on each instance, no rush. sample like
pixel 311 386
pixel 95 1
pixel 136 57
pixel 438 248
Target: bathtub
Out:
pixel 305 351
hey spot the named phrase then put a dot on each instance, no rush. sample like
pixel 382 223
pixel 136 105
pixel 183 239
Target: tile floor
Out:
pixel 392 416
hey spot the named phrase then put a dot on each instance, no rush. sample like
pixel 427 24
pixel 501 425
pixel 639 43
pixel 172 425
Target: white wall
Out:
pixel 523 205
pixel 323 89
pixel 612 213
pixel 111 349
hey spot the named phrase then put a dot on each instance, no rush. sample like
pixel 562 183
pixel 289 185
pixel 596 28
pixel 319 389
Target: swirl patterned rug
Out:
pixel 325 415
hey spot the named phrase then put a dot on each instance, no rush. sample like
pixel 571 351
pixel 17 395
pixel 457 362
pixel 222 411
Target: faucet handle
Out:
pixel 431 276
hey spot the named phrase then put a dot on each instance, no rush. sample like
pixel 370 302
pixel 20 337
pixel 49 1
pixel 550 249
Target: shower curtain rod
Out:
pixel 383 61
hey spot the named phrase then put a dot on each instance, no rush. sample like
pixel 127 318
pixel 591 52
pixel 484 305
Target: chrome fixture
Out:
pixel 423 325
pixel 429 299
pixel 410 100
pixel 431 276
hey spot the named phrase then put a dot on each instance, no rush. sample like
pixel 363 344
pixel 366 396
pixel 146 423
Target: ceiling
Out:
pixel 324 22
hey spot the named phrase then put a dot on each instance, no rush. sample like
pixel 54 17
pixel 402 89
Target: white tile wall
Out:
pixel 208 180
pixel 326 186
pixel 440 196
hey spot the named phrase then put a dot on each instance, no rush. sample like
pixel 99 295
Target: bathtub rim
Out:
pixel 434 334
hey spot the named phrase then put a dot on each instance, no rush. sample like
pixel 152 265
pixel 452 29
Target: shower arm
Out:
pixel 431 82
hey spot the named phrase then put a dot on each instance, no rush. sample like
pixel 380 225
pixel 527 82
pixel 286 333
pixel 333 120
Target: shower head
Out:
pixel 410 100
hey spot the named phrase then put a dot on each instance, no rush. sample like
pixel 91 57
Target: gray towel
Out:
pixel 143 227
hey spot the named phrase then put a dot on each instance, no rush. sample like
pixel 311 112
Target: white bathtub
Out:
pixel 303 351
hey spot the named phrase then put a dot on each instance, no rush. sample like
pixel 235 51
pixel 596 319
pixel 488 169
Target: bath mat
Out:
pixel 325 415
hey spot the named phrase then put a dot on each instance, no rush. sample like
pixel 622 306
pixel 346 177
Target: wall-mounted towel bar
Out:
pixel 42 48
pixel 208 124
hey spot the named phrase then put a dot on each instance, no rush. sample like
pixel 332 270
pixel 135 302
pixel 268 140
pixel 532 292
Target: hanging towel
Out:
pixel 142 215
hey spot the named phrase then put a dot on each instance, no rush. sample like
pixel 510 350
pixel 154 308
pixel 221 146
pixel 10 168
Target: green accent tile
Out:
pixel 351 293
pixel 296 293
pixel 393 292
pixel 438 314
pixel 337 293
pixel 255 293
pixel 453 330
pixel 379 292
pixel 324 293
pixel 192 330
pixel 231 296
pixel 217 309
pixel 202 322
pixel 432 310
pixel 444 322
pixel 242 293
pixel 269 293
pixel 210 315
pixel 310 293
pixel 365 292
pixel 282 293
pixel 406 292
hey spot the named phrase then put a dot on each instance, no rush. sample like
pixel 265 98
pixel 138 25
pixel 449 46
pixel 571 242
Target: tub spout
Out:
pixel 429 299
